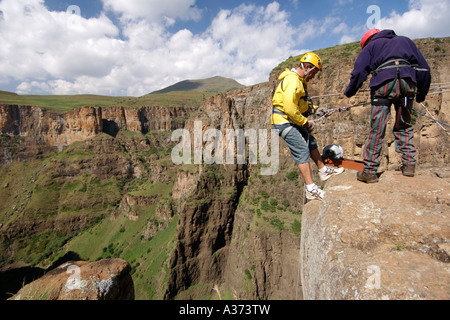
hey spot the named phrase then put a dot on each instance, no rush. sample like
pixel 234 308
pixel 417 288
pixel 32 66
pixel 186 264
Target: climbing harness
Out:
pixel 397 64
pixel 359 165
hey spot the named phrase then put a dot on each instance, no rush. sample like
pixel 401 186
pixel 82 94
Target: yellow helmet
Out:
pixel 312 58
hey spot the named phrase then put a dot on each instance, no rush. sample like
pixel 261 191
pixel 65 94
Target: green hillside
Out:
pixel 74 210
pixel 214 84
pixel 59 103
pixel 188 94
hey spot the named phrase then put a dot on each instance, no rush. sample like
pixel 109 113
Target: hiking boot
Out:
pixel 330 172
pixel 315 194
pixel 408 170
pixel 367 177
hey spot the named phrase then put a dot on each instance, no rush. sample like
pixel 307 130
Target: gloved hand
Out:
pixel 420 98
pixel 311 110
pixel 309 126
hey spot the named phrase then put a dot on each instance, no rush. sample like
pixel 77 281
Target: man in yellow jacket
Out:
pixel 290 102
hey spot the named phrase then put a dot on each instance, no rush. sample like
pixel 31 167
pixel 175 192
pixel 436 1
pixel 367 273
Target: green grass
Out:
pixel 59 103
pixel 47 193
pixel 187 99
pixel 89 196
pixel 63 103
pixel 143 187
pixel 330 56
pixel 18 178
pixel 57 203
pixel 214 84
pixel 44 201
pixel 124 239
pixel 188 94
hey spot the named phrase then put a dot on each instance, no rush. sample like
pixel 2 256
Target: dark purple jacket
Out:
pixel 383 47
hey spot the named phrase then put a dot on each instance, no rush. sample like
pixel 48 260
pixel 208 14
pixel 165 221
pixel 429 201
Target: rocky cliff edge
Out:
pixel 389 240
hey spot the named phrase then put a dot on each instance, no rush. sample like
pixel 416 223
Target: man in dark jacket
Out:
pixel 400 74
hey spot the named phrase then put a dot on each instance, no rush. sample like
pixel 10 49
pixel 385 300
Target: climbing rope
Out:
pixel 434 87
pixel 329 112
pixel 440 123
pixel 440 92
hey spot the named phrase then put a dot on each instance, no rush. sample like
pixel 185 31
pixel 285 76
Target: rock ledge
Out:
pixel 389 240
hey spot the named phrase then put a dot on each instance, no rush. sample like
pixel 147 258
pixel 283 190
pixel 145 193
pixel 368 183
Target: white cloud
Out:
pixel 425 18
pixel 347 39
pixel 154 10
pixel 348 35
pixel 37 43
pixel 295 3
pixel 341 28
pixel 254 39
pixel 54 52
pixel 345 2
pixel 314 28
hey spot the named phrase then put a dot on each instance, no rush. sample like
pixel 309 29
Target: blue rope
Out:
pixel 444 124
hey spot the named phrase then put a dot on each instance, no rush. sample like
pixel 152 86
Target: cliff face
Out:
pixel 46 128
pixel 235 235
pixel 207 226
pixel 55 130
pixel 144 119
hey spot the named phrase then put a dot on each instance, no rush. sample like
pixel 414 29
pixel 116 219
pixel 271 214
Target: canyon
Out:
pixel 99 181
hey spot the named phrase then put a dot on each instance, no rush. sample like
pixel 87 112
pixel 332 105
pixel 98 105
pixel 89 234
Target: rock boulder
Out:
pixel 101 280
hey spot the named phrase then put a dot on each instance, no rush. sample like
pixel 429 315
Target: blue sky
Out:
pixel 133 47
pixel 353 13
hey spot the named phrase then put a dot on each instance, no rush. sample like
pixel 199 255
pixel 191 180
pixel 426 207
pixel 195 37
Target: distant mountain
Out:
pixel 214 84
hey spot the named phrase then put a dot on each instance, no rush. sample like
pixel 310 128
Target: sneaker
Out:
pixel 408 170
pixel 315 194
pixel 367 177
pixel 330 172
